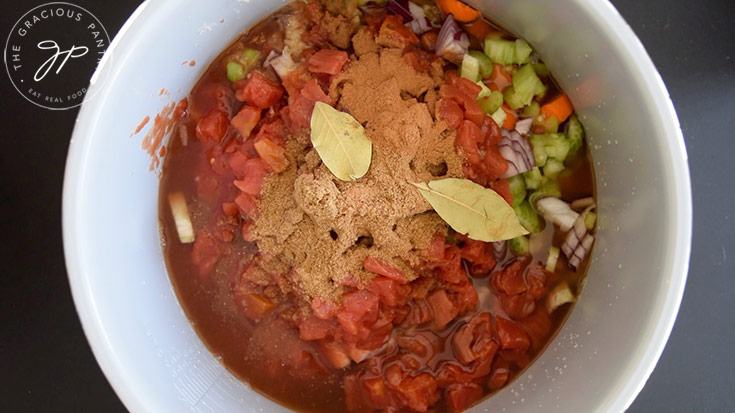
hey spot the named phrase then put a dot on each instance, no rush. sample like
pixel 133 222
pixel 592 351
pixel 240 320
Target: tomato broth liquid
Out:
pixel 262 352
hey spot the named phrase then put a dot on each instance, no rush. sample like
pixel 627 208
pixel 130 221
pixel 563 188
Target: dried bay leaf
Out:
pixel 471 209
pixel 341 143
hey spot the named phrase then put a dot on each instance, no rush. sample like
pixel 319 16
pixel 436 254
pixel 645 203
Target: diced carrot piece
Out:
pixel 328 61
pixel 212 127
pixel 479 29
pixel 246 120
pixel 259 91
pixel 560 107
pixel 273 154
pixel 510 118
pixel 500 78
pixel 461 12
pixel 254 306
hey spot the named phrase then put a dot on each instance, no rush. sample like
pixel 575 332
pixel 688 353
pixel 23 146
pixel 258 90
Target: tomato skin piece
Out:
pixel 394 30
pixel 273 154
pixel 511 335
pixel 246 120
pixel 328 61
pixel 259 91
pixel 212 127
pixel 380 267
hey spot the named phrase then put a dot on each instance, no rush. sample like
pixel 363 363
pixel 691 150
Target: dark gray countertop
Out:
pixel 45 360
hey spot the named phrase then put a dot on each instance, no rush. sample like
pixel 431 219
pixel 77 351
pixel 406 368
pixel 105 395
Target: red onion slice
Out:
pixel 452 43
pixel 523 126
pixel 401 8
pixel 517 151
pixel 420 23
pixel 283 64
pixel 581 251
pixel 499 250
pixel 558 212
pixel 372 7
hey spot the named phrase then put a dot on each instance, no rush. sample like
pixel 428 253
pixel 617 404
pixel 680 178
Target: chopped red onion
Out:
pixel 452 43
pixel 283 64
pixel 517 151
pixel 420 23
pixel 558 212
pixel 582 203
pixel 581 251
pixel 372 7
pixel 523 126
pixel 575 236
pixel 499 250
pixel 401 8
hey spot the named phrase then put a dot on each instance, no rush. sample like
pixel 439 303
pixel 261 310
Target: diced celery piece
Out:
pixel 513 99
pixel 550 145
pixel 486 65
pixel 500 51
pixel 541 69
pixel 499 116
pixel 235 71
pixel 550 124
pixel 553 168
pixel 533 178
pixel 517 189
pixel 526 84
pixel 520 245
pixel 575 133
pixel 589 220
pixel 548 188
pixel 250 57
pixel 532 110
pixel 523 51
pixel 528 217
pixel 484 90
pixel 490 104
pixel 470 68
pixel 552 258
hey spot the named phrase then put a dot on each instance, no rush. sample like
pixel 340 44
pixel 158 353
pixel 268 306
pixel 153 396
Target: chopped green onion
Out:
pixel 520 245
pixel 470 68
pixel 552 258
pixel 486 65
pixel 589 220
pixel 517 189
pixel 528 217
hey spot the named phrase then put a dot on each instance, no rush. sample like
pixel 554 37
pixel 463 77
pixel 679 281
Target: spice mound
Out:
pixel 321 228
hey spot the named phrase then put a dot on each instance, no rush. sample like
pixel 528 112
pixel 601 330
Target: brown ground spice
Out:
pixel 321 229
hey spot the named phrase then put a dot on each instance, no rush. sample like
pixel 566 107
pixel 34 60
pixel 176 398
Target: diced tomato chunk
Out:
pixel 314 328
pixel 419 313
pixel 247 206
pixel 247 231
pixel 467 86
pixel 246 120
pixel 238 162
pixel 212 127
pixel 469 135
pixel 230 209
pixel 428 40
pixel 273 154
pixel 511 335
pixel 502 187
pixel 538 326
pixel 499 375
pixel 449 111
pixel 336 354
pixel 328 61
pixel 302 106
pixel 361 303
pixel 499 79
pixel 324 309
pixel 205 253
pixel 388 290
pixel 253 306
pixel 419 392
pixel 259 91
pixel 442 307
pixel 395 31
pixel 380 267
pixel 461 396
pixel 510 280
pixel 255 171
pixel 472 109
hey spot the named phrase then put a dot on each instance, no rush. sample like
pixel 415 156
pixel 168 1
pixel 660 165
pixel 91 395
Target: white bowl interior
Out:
pixel 598 362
